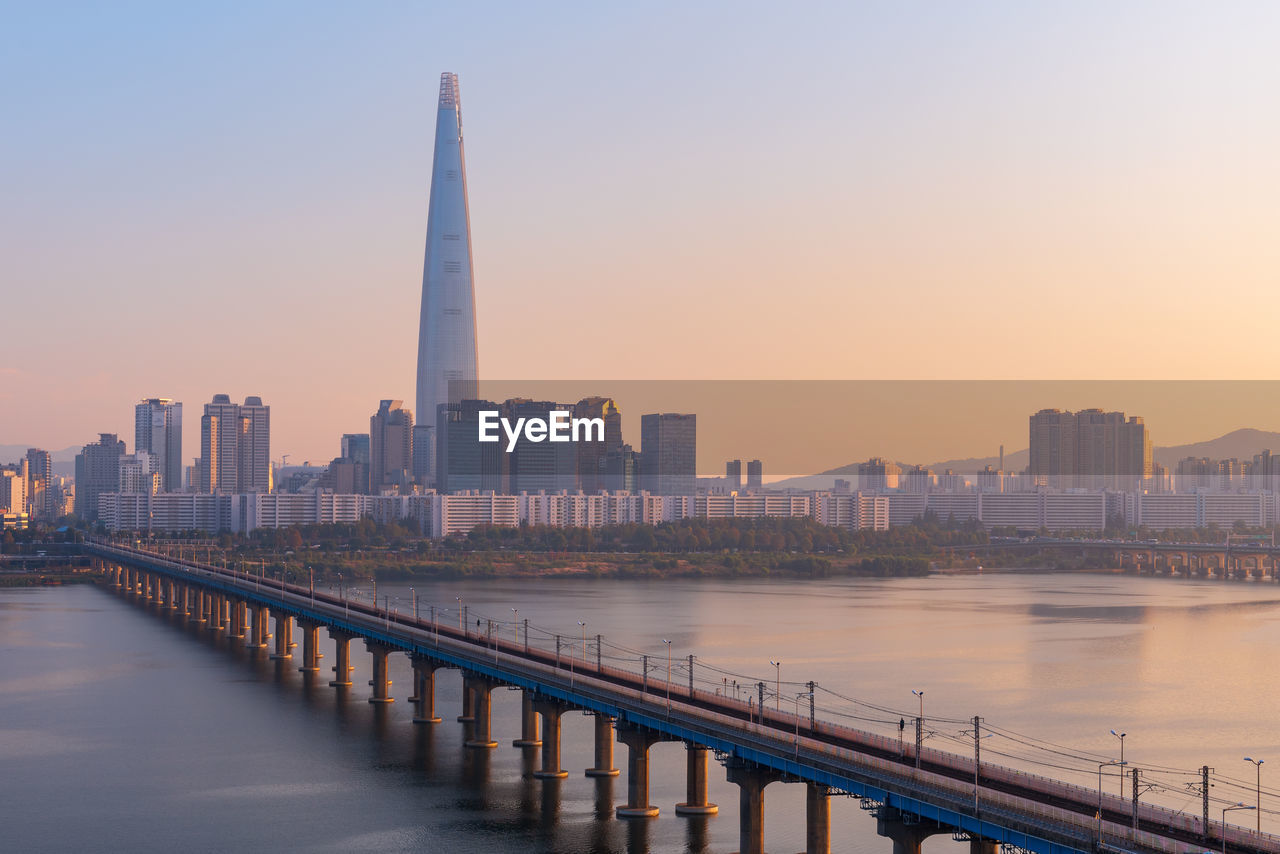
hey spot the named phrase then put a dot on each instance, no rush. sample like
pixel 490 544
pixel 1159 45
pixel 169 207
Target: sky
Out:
pixel 231 198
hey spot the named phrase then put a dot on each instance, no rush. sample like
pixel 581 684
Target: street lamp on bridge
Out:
pixel 668 643
pixel 1121 735
pixel 919 725
pixel 1258 764
pixel 1225 810
pixel 777 684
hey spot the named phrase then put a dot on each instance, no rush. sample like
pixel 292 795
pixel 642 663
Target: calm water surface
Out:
pixel 124 729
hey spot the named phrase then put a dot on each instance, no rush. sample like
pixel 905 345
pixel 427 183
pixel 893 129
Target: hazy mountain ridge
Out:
pixel 14 453
pixel 1241 444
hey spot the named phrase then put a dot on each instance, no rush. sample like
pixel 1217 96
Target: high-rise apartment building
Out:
pixel 39 483
pixel 157 429
pixel 669 453
pixel 355 447
pixel 733 474
pixel 447 361
pixel 140 474
pixel 878 473
pixel 1089 449
pixel 97 471
pixel 390 447
pixel 594 471
pixel 13 490
pixel 755 474
pixel 349 472
pixel 463 463
pixel 235 446
pixel 537 466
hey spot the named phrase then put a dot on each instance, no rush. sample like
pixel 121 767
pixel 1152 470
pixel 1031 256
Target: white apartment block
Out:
pixel 440 515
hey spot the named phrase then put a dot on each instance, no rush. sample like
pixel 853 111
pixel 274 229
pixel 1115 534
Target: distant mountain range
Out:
pixel 1241 444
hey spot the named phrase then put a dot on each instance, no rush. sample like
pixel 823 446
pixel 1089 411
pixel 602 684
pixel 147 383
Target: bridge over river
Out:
pixel 913 792
pixel 1238 560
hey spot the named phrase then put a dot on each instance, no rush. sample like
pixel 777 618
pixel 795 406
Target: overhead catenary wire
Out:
pixel 1030 750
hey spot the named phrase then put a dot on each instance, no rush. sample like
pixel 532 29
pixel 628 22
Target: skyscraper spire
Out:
pixel 447 331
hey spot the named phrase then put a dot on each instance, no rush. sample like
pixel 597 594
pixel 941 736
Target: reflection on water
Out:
pixel 129 721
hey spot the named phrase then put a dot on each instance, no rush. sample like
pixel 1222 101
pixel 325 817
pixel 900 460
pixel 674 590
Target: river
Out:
pixel 125 730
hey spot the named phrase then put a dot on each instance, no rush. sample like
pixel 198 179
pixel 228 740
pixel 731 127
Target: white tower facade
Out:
pixel 447 329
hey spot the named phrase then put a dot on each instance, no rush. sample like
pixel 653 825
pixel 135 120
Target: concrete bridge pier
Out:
pixel 239 619
pixel 817 831
pixel 381 678
pixel 310 646
pixel 148 586
pixel 113 572
pixel 482 698
pixel 551 711
pixel 751 781
pixel 468 703
pixel 529 730
pixel 906 836
pixel 201 607
pixel 604 748
pixel 173 594
pixel 218 613
pixel 258 640
pixel 342 666
pixel 696 790
pixel 638 742
pixel 284 637
pixel 184 599
pixel 424 691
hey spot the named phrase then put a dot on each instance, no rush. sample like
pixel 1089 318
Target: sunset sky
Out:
pixel 232 199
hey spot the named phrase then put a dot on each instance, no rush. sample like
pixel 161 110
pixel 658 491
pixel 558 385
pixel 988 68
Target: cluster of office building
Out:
pixel 1086 470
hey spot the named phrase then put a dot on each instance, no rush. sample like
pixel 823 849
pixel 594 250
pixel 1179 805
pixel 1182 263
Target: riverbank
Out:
pixel 46 577
pixel 508 565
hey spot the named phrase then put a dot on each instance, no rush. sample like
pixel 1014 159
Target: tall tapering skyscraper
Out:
pixel 447 331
